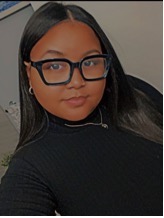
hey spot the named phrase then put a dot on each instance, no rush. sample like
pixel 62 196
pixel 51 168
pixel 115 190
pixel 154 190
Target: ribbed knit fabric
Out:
pixel 87 170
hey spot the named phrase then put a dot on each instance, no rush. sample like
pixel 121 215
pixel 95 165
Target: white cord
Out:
pixel 104 125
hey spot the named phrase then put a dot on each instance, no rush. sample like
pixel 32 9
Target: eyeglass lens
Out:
pixel 59 71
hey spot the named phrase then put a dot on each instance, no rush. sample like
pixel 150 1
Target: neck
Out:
pixel 100 123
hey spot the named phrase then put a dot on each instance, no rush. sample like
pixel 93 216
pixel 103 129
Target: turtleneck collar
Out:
pixel 90 118
pixel 59 125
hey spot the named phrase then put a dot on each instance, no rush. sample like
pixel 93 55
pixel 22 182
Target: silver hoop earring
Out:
pixel 31 91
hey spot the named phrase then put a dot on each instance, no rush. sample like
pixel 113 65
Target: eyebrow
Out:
pixel 55 52
pixel 50 51
pixel 92 51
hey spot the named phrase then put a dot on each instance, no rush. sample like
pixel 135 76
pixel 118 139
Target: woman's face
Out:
pixel 74 101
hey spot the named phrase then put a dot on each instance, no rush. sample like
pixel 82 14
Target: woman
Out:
pixel 91 138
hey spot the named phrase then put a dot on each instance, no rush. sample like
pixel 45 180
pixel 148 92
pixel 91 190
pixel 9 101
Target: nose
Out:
pixel 77 80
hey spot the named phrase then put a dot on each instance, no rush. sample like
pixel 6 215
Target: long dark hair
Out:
pixel 129 109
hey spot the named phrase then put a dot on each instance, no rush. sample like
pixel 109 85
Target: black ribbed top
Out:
pixel 85 170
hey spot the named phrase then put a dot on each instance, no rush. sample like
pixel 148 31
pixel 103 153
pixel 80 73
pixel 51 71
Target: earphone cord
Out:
pixel 104 125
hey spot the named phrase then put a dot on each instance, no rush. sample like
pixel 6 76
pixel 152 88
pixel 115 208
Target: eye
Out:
pixel 88 63
pixel 55 66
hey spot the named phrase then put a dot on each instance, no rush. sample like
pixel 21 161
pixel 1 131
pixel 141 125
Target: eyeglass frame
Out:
pixel 73 65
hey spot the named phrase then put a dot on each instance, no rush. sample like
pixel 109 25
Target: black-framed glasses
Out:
pixel 60 70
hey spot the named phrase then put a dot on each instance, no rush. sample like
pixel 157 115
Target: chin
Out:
pixel 76 117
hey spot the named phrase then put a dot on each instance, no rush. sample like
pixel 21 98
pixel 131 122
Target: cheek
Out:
pixel 47 96
pixel 97 90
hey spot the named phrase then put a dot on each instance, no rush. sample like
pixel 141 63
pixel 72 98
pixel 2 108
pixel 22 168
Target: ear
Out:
pixel 28 70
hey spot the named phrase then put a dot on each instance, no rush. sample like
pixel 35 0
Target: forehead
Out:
pixel 67 36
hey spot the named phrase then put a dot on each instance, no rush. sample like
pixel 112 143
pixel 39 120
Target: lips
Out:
pixel 76 101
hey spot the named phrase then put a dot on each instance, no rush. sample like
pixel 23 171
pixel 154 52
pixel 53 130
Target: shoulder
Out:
pixel 31 159
pixel 34 150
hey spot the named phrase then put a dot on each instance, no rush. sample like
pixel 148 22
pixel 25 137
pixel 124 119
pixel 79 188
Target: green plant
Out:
pixel 6 159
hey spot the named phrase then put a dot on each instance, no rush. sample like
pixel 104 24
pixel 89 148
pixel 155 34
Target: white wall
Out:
pixel 10 35
pixel 135 30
